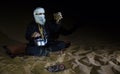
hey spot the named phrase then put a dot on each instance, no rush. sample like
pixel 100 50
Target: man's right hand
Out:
pixel 36 34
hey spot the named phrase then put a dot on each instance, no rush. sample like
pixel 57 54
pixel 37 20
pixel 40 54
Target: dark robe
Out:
pixel 51 32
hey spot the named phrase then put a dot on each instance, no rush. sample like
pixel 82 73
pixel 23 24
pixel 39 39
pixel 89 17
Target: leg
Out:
pixel 56 46
pixel 36 51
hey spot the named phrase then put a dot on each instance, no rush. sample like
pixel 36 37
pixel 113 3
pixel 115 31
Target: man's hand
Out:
pixel 57 17
pixel 35 34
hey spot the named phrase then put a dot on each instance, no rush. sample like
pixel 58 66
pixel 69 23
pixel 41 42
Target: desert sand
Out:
pixel 92 51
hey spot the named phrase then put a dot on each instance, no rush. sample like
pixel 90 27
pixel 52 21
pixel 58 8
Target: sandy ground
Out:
pixel 92 51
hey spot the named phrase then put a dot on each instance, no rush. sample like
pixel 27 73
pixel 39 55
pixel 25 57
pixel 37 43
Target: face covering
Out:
pixel 39 16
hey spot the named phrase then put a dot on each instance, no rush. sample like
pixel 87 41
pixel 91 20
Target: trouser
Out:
pixel 52 46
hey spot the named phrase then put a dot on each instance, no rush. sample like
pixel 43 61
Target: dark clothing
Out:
pixel 31 28
pixel 44 50
pixel 51 32
pixel 57 29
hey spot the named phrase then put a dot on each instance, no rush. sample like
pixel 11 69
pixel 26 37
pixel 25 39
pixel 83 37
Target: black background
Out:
pixel 82 10
pixel 103 15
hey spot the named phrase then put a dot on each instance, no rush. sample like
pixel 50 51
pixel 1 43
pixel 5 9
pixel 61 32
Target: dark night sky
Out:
pixel 99 10
pixel 102 13
pixel 86 8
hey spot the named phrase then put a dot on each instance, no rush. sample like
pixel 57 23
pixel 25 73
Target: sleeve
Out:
pixel 29 31
pixel 64 31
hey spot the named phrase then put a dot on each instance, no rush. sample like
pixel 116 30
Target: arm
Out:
pixel 31 32
pixel 57 17
pixel 65 32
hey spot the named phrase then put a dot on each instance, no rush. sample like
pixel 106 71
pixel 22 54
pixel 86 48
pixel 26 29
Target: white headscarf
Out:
pixel 39 15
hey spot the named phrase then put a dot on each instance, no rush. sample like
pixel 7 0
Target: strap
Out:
pixel 41 31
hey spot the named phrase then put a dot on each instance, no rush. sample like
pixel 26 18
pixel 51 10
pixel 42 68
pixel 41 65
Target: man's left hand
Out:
pixel 58 16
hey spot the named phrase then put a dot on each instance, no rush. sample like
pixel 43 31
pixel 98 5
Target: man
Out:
pixel 43 36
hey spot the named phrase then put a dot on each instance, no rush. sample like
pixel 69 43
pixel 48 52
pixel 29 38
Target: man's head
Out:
pixel 39 15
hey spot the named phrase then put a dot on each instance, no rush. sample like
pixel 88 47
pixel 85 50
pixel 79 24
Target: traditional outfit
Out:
pixel 47 41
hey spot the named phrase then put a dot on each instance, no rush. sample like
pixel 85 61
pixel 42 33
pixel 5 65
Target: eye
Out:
pixel 39 14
